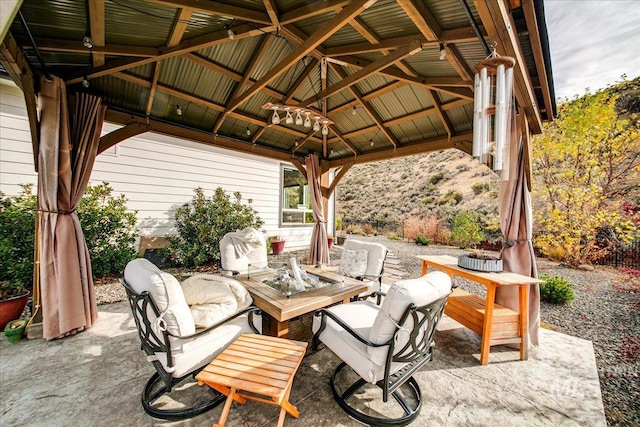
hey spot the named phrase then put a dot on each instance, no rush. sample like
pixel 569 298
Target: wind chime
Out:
pixel 492 107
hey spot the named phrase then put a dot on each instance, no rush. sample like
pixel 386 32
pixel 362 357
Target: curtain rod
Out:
pixel 33 43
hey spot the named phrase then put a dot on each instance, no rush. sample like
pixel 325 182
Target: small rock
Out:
pixel 586 267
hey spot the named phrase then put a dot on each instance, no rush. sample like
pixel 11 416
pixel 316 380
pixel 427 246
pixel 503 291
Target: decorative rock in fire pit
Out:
pixel 478 262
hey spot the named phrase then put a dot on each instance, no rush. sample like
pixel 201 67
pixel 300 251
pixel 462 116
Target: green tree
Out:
pixel 585 165
pixel 203 221
pixel 466 230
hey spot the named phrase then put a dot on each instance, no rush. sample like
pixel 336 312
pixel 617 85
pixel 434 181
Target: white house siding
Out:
pixel 156 173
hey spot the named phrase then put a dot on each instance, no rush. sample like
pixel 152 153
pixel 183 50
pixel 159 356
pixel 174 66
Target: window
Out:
pixel 296 200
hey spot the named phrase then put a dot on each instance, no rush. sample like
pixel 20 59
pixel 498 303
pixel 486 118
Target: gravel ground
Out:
pixel 606 311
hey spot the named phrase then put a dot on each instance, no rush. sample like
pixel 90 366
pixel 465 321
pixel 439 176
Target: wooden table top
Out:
pixel 256 363
pixel 283 308
pixel 449 264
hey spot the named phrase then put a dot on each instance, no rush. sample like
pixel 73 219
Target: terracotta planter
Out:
pixel 11 309
pixel 330 242
pixel 277 248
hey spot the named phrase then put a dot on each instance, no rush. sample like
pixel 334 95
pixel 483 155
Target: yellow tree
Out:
pixel 585 164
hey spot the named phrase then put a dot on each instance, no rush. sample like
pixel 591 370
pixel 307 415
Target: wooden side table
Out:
pixel 257 364
pixel 494 323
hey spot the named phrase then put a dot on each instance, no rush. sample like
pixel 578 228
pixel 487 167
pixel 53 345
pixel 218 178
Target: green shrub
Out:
pixel 203 221
pixel 436 178
pixel 109 229
pixel 556 290
pixel 422 240
pixel 110 232
pixel 17 229
pixel 479 187
pixel 466 230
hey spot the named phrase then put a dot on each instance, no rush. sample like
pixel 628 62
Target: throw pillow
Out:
pixel 353 263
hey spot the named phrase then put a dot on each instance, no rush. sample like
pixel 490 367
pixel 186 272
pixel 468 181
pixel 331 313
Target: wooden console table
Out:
pixel 494 323
pixel 260 365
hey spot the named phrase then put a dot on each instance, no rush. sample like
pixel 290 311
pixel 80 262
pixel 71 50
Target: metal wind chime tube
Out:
pixel 492 109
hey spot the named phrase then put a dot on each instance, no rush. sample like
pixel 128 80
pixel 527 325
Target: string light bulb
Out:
pixel 248 131
pixel 354 112
pixel 295 142
pixel 85 82
pixel 276 118
pixel 230 32
pixel 178 110
pixel 371 142
pixel 331 152
pixel 443 52
pixel 87 41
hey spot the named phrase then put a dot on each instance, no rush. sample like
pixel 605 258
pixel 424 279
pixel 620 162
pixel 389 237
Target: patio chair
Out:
pixel 243 251
pixel 364 261
pixel 169 338
pixel 384 345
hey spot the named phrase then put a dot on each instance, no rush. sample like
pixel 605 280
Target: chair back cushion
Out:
pixel 376 254
pixel 165 290
pixel 420 292
pixel 240 249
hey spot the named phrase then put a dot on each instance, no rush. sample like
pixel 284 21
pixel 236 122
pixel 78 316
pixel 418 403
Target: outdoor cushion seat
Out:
pixel 169 337
pixel 384 345
pixel 374 268
pixel 243 251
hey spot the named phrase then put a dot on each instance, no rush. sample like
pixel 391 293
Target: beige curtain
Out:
pixel 319 250
pixel 516 225
pixel 68 149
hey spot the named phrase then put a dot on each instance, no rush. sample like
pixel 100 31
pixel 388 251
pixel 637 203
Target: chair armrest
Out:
pixel 232 272
pixel 323 323
pixel 250 310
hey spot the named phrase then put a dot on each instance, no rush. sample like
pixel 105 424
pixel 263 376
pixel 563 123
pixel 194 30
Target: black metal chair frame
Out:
pixel 153 342
pixel 415 353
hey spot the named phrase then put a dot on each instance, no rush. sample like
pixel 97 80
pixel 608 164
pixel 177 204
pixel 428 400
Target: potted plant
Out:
pixel 13 298
pixel 277 245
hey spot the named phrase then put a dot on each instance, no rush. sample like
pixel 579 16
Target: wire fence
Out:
pixel 625 256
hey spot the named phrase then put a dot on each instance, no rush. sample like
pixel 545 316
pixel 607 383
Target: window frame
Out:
pixel 281 204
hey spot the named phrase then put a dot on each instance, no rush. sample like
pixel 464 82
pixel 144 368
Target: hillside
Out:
pixel 437 184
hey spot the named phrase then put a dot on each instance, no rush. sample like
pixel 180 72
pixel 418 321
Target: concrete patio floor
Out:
pixel 95 379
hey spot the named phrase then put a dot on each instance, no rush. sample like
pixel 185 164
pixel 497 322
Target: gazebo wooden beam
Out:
pixel 187 46
pixel 462 142
pixel 219 9
pixel 129 131
pixel 272 11
pixel 422 18
pixel 154 87
pixel 200 136
pixel 312 9
pixel 179 26
pixel 328 191
pixel 256 56
pixel 364 72
pixel 458 35
pixel 456 61
pixel 370 111
pixel 96 12
pixel 324 32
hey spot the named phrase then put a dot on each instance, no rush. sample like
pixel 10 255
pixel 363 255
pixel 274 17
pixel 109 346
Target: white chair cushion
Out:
pixel 165 290
pixel 199 351
pixel 376 253
pixel 359 316
pixel 422 291
pixel 353 263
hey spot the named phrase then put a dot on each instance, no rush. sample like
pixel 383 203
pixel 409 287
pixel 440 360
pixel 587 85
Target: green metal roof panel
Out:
pixel 449 14
pixel 137 22
pixel 389 20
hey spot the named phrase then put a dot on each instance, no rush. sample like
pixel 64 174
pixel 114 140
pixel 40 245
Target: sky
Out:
pixel 592 43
